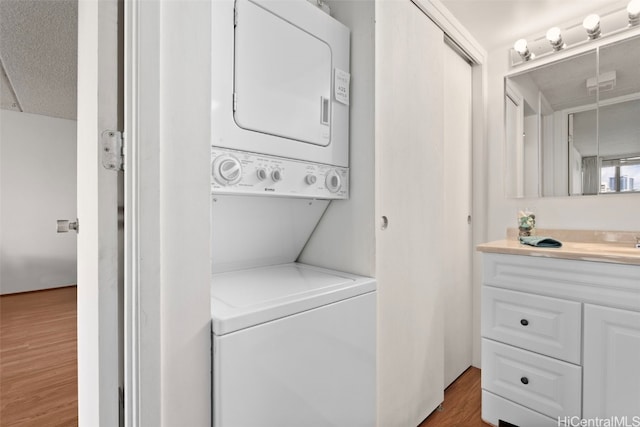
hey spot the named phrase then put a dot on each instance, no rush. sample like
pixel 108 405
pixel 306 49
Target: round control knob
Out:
pixel 333 181
pixel 262 174
pixel 227 170
pixel 276 175
pixel 310 179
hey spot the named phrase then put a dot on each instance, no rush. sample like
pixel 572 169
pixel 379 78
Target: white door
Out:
pixel 611 372
pixel 99 283
pixel 409 195
pixel 457 244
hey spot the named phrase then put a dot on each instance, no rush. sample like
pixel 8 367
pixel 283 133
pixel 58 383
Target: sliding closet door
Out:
pixel 458 292
pixel 409 200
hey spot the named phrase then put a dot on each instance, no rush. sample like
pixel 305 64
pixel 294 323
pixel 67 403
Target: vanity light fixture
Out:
pixel 623 18
pixel 633 9
pixel 592 25
pixel 555 38
pixel 521 47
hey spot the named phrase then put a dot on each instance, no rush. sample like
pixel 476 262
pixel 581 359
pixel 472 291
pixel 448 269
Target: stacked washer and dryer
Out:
pixel 293 344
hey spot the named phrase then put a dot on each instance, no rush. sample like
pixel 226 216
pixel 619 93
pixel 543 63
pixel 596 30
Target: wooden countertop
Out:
pixel 585 251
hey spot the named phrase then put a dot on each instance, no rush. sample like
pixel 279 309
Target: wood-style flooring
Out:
pixel 461 407
pixel 38 367
pixel 38 361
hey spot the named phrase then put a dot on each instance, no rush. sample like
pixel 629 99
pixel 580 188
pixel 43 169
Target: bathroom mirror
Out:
pixel 572 126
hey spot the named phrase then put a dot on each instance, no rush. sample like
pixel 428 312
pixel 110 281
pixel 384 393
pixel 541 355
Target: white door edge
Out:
pixel 99 286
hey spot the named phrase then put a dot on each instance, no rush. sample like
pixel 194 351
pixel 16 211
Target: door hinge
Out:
pixel 112 147
pixel 235 102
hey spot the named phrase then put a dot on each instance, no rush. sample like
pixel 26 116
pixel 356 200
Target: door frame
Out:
pixel 167 349
pixel 142 299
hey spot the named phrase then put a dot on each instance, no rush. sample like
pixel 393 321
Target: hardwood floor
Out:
pixel 38 367
pixel 461 407
pixel 38 362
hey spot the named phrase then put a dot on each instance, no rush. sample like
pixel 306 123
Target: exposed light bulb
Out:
pixel 592 25
pixel 555 38
pixel 633 9
pixel 521 46
pixel 553 35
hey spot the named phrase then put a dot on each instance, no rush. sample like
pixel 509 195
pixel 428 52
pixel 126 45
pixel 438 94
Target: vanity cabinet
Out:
pixel 611 363
pixel 560 339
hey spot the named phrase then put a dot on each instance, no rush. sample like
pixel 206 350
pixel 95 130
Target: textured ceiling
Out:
pixel 38 51
pixel 499 23
pixel 38 42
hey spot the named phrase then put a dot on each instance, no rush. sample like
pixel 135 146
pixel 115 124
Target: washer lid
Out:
pixel 245 298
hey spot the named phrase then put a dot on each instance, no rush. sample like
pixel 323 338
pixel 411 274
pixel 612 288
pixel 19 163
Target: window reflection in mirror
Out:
pixel 619 117
pixel 572 126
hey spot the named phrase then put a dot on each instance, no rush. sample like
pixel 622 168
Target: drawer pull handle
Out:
pixel 524 322
pixel 524 380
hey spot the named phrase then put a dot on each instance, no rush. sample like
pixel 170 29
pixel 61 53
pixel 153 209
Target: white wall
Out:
pixel 37 187
pixel 611 212
pixel 345 237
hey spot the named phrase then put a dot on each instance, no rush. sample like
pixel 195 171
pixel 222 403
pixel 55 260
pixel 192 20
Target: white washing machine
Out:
pixel 293 345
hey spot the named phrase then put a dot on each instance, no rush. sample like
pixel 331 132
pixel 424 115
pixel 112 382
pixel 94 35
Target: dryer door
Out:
pixel 282 77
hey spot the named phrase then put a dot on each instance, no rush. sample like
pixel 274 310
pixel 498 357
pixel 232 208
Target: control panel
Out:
pixel 239 172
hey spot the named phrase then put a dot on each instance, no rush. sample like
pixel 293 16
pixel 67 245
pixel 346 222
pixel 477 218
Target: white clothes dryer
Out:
pixel 293 345
pixel 280 80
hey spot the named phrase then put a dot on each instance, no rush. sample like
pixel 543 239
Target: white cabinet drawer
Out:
pixel 546 325
pixel 546 385
pixel 496 409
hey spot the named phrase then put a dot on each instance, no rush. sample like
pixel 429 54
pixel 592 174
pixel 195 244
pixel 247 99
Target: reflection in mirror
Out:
pixel 572 127
pixel 522 132
pixel 552 92
pixel 582 136
pixel 619 117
